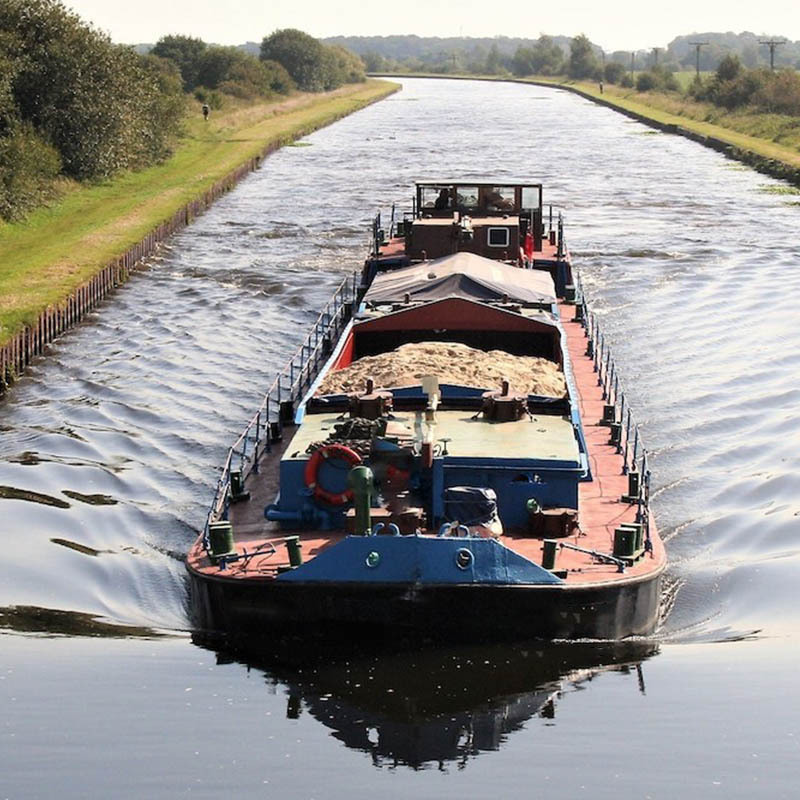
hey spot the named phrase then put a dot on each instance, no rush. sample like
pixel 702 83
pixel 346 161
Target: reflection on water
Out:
pixel 432 707
pixel 50 622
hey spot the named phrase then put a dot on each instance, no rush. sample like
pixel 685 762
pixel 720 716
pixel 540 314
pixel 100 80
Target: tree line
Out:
pixel 76 106
pixel 289 59
pixel 731 86
pixel 479 55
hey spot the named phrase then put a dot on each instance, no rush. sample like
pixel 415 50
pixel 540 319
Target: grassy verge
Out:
pixel 55 250
pixel 771 136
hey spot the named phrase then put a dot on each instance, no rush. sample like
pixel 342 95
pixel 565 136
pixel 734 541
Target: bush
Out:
pixel 656 78
pixel 778 92
pixel 211 97
pixel 614 72
pixel 28 169
pixel 278 78
pixel 626 82
pixel 645 82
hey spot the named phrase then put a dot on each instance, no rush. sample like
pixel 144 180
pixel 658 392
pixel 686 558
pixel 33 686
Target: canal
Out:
pixel 111 446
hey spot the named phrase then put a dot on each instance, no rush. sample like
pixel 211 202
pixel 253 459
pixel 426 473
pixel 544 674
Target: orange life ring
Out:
pixel 312 468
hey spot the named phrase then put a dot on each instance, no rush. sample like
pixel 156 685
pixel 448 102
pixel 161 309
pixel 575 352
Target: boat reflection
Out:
pixel 435 707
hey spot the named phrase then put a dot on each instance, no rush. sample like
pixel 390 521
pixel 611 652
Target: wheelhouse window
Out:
pixel 531 197
pixel 467 196
pixel 498 237
pixel 436 197
pixel 500 198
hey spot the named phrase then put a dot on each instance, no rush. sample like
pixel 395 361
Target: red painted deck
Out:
pixel 601 508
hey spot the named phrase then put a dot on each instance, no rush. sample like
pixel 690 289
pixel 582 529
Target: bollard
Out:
pixel 634 487
pixel 237 487
pixel 359 479
pixel 549 549
pixel 295 550
pixel 220 539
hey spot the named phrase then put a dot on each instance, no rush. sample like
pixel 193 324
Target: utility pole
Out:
pixel 772 43
pixel 655 56
pixel 633 57
pixel 697 46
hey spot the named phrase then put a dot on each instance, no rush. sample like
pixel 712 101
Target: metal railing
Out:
pixel 624 430
pixel 280 401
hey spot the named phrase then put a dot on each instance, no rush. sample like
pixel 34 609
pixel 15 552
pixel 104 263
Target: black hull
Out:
pixel 613 610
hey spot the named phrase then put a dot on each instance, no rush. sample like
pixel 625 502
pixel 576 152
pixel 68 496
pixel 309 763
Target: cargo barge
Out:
pixel 448 454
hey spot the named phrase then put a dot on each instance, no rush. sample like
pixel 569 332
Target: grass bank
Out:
pixel 44 259
pixel 767 142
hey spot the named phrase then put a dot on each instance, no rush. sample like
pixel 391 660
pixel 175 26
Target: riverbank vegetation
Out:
pixel 99 144
pixel 75 107
pixel 60 246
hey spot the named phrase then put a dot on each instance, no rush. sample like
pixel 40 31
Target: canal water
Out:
pixel 111 446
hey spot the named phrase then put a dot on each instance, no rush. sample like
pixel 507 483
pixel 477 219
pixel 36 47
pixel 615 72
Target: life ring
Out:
pixel 312 468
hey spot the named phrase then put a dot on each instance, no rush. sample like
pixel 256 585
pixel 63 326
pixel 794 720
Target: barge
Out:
pixel 448 454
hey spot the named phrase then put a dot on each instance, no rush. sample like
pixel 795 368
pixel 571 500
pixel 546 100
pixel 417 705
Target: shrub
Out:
pixel 28 169
pixel 212 97
pixel 645 82
pixel 614 72
pixel 778 92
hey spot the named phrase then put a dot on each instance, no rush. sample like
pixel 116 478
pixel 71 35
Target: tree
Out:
pixel 301 55
pixel 101 105
pixel 582 60
pixel 729 68
pixel 493 65
pixel 548 57
pixel 186 52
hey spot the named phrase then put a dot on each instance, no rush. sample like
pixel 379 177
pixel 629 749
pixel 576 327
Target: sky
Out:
pixel 612 24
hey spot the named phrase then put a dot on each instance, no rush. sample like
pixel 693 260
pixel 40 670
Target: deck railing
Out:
pixel 623 429
pixel 280 401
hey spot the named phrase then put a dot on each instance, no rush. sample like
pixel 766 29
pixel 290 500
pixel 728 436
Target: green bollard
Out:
pixel 633 488
pixel 624 542
pixel 359 479
pixel 220 540
pixel 295 551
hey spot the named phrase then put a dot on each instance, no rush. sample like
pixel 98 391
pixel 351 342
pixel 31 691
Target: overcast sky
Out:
pixel 613 24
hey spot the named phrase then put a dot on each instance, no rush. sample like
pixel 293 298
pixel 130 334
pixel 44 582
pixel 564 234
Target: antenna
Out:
pixel 772 43
pixel 697 46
